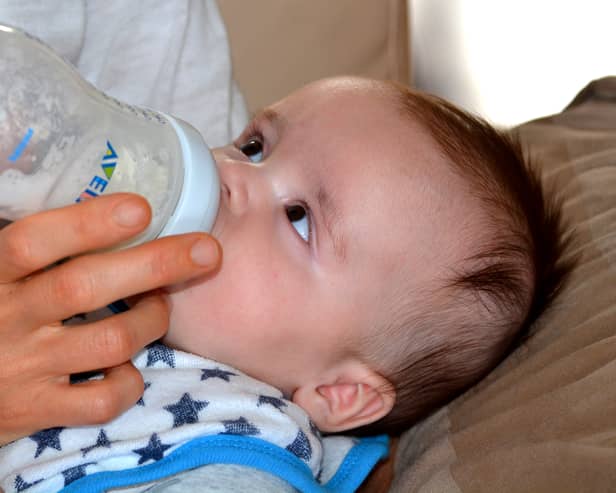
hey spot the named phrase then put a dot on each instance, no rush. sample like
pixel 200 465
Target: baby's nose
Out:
pixel 234 187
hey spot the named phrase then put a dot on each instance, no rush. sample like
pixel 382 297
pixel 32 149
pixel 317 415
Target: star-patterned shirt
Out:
pixel 192 409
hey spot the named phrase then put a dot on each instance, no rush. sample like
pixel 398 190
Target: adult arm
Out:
pixel 38 354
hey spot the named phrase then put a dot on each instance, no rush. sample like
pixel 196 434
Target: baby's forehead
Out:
pixel 416 219
pixel 392 184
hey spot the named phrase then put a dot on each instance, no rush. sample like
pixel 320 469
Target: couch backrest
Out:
pixel 279 45
pixel 545 419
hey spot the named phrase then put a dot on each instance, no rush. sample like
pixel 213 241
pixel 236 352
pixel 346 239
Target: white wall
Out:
pixel 511 60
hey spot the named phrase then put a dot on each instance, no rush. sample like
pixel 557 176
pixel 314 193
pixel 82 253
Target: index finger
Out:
pixel 89 282
pixel 32 243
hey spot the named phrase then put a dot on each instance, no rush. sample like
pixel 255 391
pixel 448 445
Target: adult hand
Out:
pixel 38 354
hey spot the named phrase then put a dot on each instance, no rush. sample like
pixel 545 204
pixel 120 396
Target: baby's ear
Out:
pixel 354 399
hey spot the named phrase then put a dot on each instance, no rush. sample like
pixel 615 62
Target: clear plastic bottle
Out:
pixel 63 141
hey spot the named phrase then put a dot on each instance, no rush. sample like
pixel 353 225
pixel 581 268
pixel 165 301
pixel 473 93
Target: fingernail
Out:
pixel 128 213
pixel 204 252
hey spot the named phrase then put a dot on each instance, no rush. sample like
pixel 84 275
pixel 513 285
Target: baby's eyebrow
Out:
pixel 333 221
pixel 271 116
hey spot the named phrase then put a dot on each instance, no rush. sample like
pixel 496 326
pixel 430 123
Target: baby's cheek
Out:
pixel 250 304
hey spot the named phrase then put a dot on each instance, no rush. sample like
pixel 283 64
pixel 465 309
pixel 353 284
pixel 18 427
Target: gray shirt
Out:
pixel 217 478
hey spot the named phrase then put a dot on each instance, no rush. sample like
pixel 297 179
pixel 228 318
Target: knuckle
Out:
pixel 73 288
pixel 115 342
pixel 103 407
pixel 13 412
pixel 18 247
pixel 82 225
pixel 17 416
pixel 161 267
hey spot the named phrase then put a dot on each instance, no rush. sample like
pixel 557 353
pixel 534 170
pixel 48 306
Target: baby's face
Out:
pixel 330 199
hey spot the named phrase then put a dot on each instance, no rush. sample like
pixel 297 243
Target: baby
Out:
pixel 382 252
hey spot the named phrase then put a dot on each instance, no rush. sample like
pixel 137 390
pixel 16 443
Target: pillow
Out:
pixel 545 419
pixel 278 46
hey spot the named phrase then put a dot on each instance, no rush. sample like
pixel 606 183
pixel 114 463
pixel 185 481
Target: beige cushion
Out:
pixel 545 420
pixel 279 45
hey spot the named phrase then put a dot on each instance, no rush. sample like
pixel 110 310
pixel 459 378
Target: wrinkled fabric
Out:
pixel 169 56
pixel 545 419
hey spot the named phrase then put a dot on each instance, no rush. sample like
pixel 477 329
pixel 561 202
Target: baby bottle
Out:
pixel 62 141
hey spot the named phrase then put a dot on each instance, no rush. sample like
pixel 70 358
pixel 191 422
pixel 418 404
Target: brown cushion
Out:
pixel 545 419
pixel 279 45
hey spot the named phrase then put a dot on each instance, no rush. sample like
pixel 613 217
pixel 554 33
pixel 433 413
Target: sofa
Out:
pixel 545 419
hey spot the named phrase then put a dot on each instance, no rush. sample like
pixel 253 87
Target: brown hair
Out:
pixel 495 295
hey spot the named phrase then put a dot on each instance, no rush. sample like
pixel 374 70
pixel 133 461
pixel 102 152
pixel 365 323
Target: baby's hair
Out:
pixel 489 301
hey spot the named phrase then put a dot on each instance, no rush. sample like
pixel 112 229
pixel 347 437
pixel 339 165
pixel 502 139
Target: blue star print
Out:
pixel 216 373
pixel 146 386
pixel 101 441
pixel 154 450
pixel 272 401
pixel 158 352
pixel 21 485
pixel 239 426
pixel 186 410
pixel 74 473
pixel 300 446
pixel 49 438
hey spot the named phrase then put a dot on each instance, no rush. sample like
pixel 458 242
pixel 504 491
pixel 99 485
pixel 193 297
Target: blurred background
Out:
pixel 508 60
pixel 484 54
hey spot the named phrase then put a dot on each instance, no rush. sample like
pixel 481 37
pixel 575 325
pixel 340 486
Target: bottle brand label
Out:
pixel 98 183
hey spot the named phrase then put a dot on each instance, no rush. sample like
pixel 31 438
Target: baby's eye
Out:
pixel 299 216
pixel 253 148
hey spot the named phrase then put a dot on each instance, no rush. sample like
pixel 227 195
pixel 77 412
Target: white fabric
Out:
pixel 171 56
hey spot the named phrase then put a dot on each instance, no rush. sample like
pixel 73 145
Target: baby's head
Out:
pixel 382 250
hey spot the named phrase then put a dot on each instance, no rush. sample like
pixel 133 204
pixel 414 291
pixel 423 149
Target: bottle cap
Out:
pixel 200 196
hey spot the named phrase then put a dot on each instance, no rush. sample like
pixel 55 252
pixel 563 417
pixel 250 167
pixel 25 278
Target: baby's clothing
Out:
pixel 193 412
